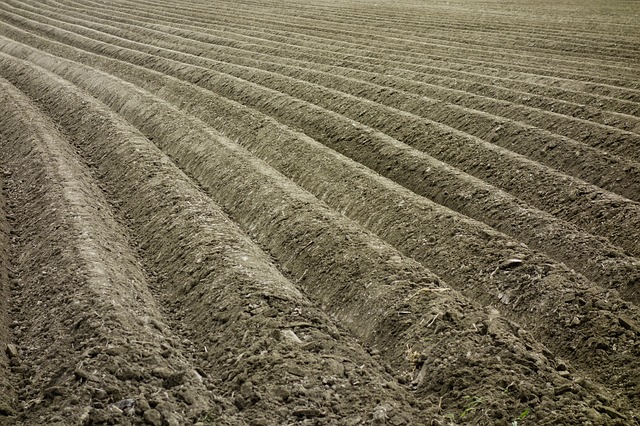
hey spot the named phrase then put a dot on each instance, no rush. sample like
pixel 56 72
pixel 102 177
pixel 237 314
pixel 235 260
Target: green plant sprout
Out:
pixel 472 405
pixel 522 416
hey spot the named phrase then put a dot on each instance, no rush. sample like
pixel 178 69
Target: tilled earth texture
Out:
pixel 284 212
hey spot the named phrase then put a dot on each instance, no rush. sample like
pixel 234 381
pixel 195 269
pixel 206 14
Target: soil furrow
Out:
pixel 89 337
pixel 380 291
pixel 404 20
pixel 449 187
pixel 405 221
pixel 288 40
pixel 7 391
pixel 526 115
pixel 560 153
pixel 280 192
pixel 602 88
pixel 415 46
pixel 544 147
pixel 521 106
pixel 378 22
pixel 402 219
pixel 226 293
pixel 456 190
pixel 377 43
pixel 410 12
pixel 521 32
pixel 596 211
pixel 331 58
pixel 468 80
pixel 416 171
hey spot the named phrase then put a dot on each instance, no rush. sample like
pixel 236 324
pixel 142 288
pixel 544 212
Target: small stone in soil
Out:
pixel 11 350
pixel 125 404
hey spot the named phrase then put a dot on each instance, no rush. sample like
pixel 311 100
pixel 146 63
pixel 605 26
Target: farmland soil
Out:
pixel 339 213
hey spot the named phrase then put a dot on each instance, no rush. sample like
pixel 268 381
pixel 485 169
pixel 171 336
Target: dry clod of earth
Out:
pixel 338 213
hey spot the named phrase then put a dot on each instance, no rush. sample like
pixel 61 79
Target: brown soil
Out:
pixel 271 214
pixel 6 390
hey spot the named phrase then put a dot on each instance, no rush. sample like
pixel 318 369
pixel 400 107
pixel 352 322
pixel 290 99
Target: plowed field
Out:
pixel 319 213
